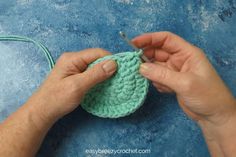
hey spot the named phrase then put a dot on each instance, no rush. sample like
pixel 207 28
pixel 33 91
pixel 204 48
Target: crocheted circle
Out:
pixel 123 93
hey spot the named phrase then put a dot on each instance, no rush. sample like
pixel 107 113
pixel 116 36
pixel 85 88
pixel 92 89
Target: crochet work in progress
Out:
pixel 116 97
pixel 123 93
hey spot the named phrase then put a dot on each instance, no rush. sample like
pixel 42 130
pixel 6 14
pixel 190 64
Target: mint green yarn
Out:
pixel 123 93
pixel 45 50
pixel 118 96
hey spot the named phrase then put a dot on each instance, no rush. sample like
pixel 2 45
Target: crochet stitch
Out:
pixel 123 93
pixel 116 97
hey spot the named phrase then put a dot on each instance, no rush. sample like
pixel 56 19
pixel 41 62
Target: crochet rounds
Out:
pixel 123 93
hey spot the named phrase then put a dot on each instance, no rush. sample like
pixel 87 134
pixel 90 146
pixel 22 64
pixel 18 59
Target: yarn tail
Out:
pixel 45 50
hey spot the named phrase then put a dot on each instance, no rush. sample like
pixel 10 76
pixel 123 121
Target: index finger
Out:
pixel 167 41
pixel 80 60
pixel 90 55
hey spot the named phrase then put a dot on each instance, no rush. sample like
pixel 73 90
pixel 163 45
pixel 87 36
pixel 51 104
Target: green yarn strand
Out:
pixel 120 95
pixel 46 52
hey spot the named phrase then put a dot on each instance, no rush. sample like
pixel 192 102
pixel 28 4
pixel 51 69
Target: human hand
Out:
pixel 60 93
pixel 184 69
pixel 68 82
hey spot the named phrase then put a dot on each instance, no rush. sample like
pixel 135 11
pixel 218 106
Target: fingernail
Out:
pixel 143 69
pixel 110 66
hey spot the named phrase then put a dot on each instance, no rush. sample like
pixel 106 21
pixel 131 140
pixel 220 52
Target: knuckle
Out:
pixel 168 37
pixel 101 51
pixel 168 33
pixel 96 74
pixel 95 77
pixel 162 74
pixel 64 57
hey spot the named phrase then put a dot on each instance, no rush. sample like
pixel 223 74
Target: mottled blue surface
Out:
pixel 70 25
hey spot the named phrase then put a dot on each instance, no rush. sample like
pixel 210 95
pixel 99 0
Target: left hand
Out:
pixel 68 82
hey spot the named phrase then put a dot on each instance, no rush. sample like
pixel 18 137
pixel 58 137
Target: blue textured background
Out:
pixel 72 25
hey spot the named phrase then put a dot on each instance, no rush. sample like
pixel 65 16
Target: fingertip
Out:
pixel 144 69
pixel 140 41
pixel 109 66
pixel 135 39
pixel 135 42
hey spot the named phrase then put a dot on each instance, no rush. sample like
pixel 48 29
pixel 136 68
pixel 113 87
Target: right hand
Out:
pixel 184 69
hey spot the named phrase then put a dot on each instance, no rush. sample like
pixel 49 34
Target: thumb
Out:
pixel 160 74
pixel 96 74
